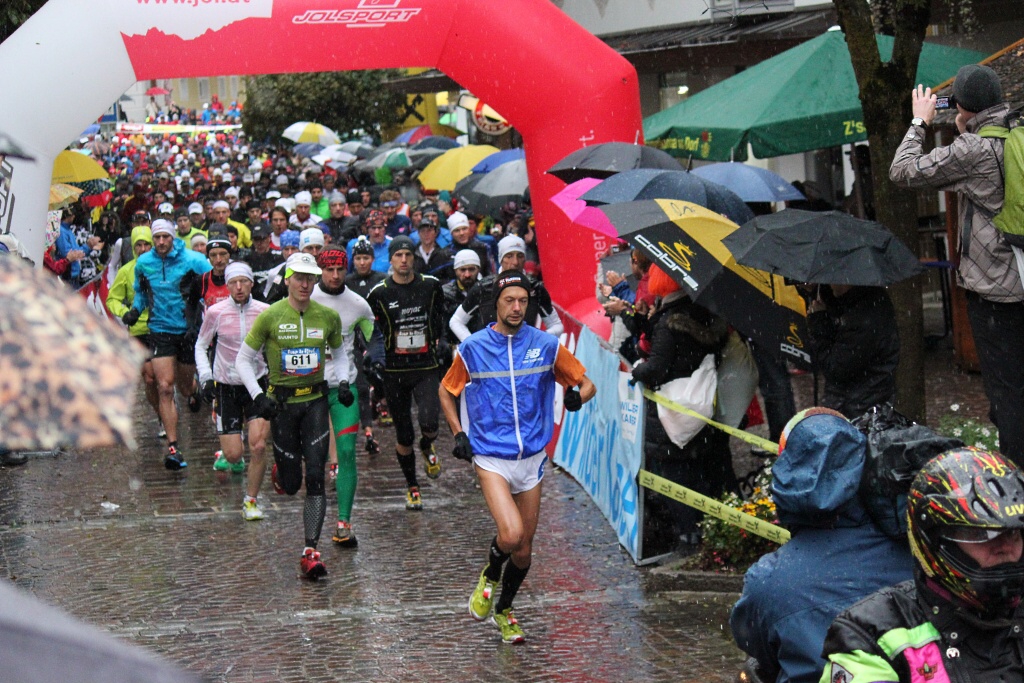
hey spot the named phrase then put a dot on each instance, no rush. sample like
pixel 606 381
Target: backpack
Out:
pixel 897 449
pixel 1010 220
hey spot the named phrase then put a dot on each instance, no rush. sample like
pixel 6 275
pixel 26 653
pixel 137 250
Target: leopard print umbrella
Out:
pixel 67 376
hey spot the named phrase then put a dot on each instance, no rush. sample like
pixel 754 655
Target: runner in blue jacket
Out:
pixel 506 374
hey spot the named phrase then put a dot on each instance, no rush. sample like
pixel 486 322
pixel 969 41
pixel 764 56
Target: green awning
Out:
pixel 802 99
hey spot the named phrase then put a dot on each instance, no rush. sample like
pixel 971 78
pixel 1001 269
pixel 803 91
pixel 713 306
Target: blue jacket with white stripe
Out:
pixel 508 404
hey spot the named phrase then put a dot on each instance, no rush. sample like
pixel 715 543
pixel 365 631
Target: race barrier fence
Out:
pixel 601 447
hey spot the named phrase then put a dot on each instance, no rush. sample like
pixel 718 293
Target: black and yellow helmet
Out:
pixel 967 495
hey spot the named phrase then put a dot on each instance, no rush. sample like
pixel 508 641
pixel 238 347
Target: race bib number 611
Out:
pixel 301 361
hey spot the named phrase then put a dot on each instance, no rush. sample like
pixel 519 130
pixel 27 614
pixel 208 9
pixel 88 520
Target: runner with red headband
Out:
pixel 355 314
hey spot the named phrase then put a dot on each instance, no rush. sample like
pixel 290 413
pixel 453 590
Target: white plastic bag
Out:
pixel 737 381
pixel 696 392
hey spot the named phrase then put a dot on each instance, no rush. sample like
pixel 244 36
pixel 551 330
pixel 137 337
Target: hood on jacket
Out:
pixel 818 470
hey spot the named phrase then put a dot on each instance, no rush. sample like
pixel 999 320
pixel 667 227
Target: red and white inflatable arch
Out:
pixel 556 83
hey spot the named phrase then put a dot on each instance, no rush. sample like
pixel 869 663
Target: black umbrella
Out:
pixel 654 183
pixel 435 142
pixel 823 247
pixel 609 158
pixel 685 240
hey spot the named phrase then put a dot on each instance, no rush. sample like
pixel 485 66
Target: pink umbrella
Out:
pixel 589 217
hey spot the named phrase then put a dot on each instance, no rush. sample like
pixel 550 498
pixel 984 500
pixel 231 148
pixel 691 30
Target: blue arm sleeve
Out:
pixel 622 291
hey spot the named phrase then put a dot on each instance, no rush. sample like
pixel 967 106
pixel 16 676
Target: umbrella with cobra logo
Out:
pixel 67 376
pixel 685 240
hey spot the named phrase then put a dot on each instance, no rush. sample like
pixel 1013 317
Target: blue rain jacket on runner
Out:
pixel 167 315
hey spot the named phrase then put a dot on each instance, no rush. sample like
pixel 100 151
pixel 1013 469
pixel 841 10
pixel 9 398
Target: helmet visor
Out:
pixel 967 534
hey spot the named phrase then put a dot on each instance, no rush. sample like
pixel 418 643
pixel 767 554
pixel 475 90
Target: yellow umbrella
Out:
pixel 443 172
pixel 307 131
pixel 70 167
pixel 61 195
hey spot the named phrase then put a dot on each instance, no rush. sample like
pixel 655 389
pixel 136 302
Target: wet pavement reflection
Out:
pixel 175 569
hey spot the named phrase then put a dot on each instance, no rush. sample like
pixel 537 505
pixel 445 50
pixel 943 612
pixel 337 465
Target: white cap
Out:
pixel 238 269
pixel 221 204
pixel 198 238
pixel 466 257
pixel 226 177
pixel 231 192
pixel 303 199
pixel 162 227
pixel 281 180
pixel 273 194
pixel 195 207
pixel 166 207
pixel 247 178
pixel 456 220
pixel 284 203
pixel 301 263
pixel 311 236
pixel 510 243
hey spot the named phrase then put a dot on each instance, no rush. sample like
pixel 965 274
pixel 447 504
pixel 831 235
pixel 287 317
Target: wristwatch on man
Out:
pixel 918 121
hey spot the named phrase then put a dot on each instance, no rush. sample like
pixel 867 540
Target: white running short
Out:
pixel 521 475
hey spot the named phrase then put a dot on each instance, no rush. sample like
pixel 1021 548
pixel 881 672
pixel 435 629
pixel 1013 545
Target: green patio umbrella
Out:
pixel 802 99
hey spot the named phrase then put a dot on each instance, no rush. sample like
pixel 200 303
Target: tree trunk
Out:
pixel 885 98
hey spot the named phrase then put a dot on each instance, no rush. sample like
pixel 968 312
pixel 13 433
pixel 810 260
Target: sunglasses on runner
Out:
pixel 389 205
pixel 963 534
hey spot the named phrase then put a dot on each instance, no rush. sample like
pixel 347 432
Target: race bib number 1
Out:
pixel 411 340
pixel 300 362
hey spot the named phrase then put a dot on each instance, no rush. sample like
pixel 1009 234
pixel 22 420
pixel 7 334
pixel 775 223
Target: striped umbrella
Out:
pixel 307 131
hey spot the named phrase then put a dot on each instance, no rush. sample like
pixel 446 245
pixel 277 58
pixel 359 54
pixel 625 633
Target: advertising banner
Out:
pixel 602 444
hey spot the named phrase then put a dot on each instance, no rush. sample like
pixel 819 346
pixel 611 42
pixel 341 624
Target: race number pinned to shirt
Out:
pixel 411 340
pixel 300 362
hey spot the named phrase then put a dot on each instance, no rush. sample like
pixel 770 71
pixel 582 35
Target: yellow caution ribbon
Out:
pixel 752 439
pixel 713 507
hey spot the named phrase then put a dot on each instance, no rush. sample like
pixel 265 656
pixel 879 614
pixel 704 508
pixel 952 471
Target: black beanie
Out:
pixel 977 88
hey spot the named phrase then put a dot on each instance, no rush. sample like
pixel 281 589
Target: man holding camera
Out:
pixel 972 166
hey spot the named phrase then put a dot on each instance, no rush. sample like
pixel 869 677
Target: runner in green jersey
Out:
pixel 296 334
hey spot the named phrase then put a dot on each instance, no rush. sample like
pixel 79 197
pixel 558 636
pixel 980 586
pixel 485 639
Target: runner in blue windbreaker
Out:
pixel 506 375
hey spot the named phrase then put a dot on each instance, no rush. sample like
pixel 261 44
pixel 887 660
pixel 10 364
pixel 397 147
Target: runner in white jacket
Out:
pixel 229 321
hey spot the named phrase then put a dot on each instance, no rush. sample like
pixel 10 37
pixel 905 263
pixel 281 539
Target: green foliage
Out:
pixel 344 101
pixel 969 430
pixel 728 548
pixel 13 14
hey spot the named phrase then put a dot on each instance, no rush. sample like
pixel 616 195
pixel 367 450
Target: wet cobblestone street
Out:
pixel 177 570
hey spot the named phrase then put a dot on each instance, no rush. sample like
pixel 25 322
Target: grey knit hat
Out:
pixel 977 88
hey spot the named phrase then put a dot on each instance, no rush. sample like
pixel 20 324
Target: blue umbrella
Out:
pixel 308 149
pixel 656 183
pixel 91 130
pixel 435 142
pixel 492 162
pixel 751 183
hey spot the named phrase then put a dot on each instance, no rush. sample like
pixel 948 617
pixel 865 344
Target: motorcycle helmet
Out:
pixel 965 496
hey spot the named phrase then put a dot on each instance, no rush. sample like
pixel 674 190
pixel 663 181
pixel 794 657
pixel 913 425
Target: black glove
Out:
pixel 265 406
pixel 375 371
pixel 463 449
pixel 131 317
pixel 144 285
pixel 209 390
pixel 345 396
pixel 572 401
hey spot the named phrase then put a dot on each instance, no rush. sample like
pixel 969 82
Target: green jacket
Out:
pixel 121 295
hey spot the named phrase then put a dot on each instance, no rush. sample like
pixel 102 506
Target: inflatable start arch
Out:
pixel 556 83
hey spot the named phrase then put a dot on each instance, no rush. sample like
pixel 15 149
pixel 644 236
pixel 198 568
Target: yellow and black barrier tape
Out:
pixel 713 507
pixel 752 439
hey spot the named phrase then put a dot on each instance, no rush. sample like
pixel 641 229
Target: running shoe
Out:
pixel 510 631
pixel 174 460
pixel 332 471
pixel 161 433
pixel 310 564
pixel 372 447
pixel 431 463
pixel 220 463
pixel 343 535
pixel 273 480
pixel 251 512
pixel 412 499
pixel 382 413
pixel 482 599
